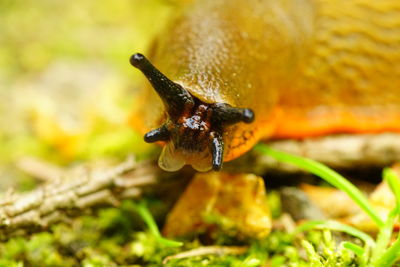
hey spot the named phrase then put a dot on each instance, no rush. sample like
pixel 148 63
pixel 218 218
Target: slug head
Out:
pixel 193 130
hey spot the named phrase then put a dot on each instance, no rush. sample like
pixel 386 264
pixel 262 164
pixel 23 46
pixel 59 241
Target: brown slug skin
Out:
pixel 304 67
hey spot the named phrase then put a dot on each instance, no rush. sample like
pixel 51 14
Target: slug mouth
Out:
pixel 194 130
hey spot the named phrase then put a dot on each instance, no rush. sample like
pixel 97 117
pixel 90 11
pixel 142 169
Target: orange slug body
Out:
pixel 305 67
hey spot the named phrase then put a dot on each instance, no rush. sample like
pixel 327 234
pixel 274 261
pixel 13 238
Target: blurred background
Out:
pixel 66 85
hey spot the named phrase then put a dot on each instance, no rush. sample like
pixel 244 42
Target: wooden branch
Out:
pixel 40 169
pixel 61 197
pixel 338 151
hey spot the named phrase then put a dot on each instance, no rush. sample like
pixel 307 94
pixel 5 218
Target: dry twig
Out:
pixel 59 198
pixel 39 169
pixel 339 151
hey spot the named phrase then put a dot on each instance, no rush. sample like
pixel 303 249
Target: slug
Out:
pixel 228 73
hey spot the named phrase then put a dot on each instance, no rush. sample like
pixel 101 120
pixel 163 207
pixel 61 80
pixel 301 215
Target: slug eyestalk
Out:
pixel 172 94
pixel 194 130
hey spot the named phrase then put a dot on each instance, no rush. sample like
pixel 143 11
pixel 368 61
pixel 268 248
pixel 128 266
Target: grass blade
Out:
pixel 328 175
pixel 336 226
pixel 359 251
pixel 384 235
pixel 390 256
pixel 144 212
pixel 390 176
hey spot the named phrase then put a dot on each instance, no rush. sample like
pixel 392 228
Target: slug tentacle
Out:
pixel 159 134
pixel 176 99
pixel 305 68
pixel 228 115
pixel 193 129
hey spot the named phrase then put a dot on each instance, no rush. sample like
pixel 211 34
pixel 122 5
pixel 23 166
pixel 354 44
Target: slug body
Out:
pixel 304 67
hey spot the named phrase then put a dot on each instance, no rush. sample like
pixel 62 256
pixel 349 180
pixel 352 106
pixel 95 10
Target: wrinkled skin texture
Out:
pixel 304 67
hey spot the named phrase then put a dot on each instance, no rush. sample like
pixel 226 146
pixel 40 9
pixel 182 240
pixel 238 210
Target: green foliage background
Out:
pixel 66 86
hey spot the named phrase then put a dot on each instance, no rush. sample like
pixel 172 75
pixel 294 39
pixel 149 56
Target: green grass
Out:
pixel 116 236
pixel 374 253
pixel 144 212
pixel 328 175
